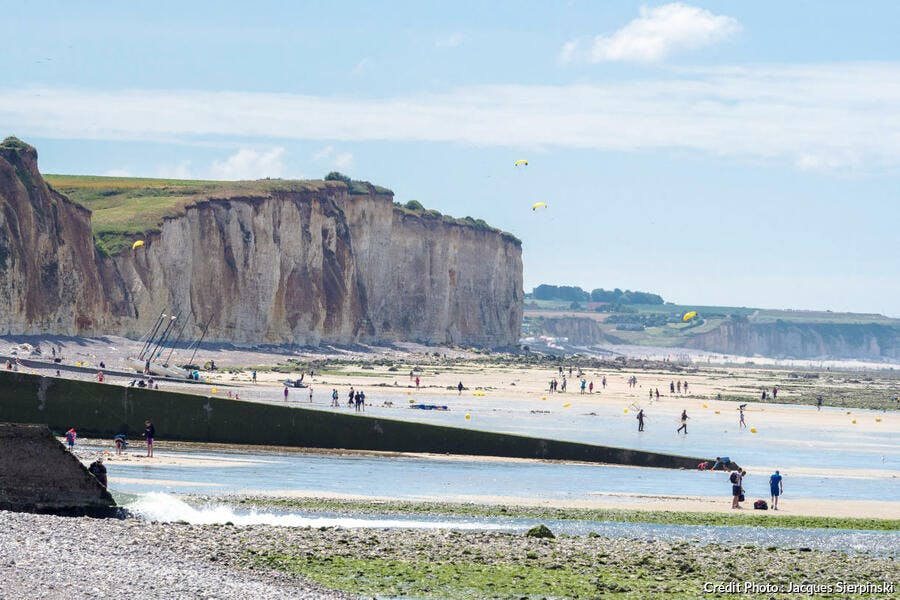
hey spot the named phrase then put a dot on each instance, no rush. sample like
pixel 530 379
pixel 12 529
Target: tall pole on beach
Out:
pixel 151 335
pixel 200 341
pixel 175 343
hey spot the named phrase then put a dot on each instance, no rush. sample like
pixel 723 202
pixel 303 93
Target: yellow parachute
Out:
pixel 689 315
pixel 137 244
pixel 521 162
pixel 538 205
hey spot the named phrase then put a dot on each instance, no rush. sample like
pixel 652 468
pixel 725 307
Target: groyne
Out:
pixel 37 474
pixel 104 410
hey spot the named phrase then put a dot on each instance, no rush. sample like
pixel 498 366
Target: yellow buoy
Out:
pixel 704 406
pixel 468 416
pixel 411 401
pixel 214 390
pixel 567 405
pixel 848 412
pixel 853 421
pixel 877 420
pixel 625 410
pixel 409 393
pixel 543 397
pixel 753 430
pixel 718 412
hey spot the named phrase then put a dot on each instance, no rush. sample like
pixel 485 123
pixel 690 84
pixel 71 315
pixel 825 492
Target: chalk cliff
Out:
pixel 801 340
pixel 328 262
pixel 50 276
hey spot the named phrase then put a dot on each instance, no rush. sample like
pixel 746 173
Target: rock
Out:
pixel 540 531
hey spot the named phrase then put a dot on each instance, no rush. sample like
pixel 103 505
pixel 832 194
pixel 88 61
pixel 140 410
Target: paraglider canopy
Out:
pixel 521 162
pixel 137 244
pixel 538 205
pixel 689 315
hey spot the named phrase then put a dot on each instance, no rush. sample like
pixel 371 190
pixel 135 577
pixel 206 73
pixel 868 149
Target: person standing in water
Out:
pixel 776 488
pixel 640 420
pixel 684 420
pixel 150 433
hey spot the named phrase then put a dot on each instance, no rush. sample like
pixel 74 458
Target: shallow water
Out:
pixel 410 477
pixel 166 508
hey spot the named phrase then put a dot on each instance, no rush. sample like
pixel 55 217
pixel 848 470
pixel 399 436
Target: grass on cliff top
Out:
pixel 127 208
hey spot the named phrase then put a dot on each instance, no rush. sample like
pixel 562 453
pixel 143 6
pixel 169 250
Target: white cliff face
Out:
pixel 45 240
pixel 307 267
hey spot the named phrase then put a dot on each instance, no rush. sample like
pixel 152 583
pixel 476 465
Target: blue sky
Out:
pixel 713 152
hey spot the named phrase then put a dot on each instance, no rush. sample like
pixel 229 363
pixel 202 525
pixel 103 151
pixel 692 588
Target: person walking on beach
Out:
pixel 603 382
pixel 775 393
pixel 776 488
pixel 591 388
pixel 362 401
pixel 351 398
pixel 685 386
pixel 736 486
pixel 640 420
pixel 583 386
pixel 334 397
pixel 671 387
pixel 150 433
pixel 459 387
pixel 563 387
pixel 310 394
pixel 651 394
pixel 678 385
pixel 819 403
pixel 684 420
pixel 254 375
pixel 657 393
pixel 742 424
pixel 70 438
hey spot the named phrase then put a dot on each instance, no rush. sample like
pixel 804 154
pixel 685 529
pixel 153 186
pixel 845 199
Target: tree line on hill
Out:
pixel 569 293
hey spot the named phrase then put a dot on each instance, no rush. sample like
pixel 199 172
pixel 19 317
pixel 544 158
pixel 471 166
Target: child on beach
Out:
pixel 150 433
pixel 70 438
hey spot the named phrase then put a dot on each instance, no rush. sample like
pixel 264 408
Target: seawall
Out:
pixel 37 474
pixel 104 410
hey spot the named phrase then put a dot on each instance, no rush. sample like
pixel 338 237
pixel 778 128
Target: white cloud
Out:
pixel 846 115
pixel 247 163
pixel 180 171
pixel 655 34
pixel 328 155
pixel 452 40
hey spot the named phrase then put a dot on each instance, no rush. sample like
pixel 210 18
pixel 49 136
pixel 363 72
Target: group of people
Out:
pixel 776 486
pixel 677 386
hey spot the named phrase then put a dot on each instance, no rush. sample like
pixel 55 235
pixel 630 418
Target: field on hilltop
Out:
pixel 126 208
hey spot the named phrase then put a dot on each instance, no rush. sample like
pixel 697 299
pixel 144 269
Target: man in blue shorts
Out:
pixel 776 487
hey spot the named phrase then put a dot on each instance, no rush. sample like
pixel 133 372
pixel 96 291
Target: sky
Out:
pixel 716 153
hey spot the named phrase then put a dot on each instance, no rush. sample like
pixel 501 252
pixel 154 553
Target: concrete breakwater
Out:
pixel 37 474
pixel 105 410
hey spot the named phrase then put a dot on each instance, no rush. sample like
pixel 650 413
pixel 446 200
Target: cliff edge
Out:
pixel 271 261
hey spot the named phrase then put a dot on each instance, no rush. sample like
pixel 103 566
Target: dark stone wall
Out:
pixel 38 474
pixel 104 410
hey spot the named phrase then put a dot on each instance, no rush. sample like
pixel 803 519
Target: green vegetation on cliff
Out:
pixel 127 208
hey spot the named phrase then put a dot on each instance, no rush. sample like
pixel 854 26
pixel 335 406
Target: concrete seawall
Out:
pixel 105 410
pixel 37 474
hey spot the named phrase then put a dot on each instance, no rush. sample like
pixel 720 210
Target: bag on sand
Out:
pixel 741 497
pixel 761 505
